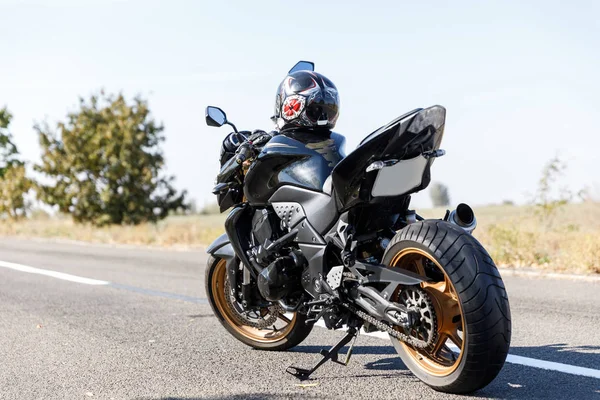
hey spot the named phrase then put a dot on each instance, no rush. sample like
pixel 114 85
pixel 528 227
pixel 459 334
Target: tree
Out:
pixel 545 199
pixel 440 197
pixel 13 187
pixel 14 183
pixel 8 151
pixel 105 163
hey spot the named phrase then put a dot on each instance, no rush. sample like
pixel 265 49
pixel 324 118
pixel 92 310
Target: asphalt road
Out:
pixel 150 334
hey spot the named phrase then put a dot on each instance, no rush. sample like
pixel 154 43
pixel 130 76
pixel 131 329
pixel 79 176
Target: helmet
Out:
pixel 306 99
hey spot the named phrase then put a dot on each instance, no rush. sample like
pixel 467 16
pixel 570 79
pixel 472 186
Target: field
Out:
pixel 515 236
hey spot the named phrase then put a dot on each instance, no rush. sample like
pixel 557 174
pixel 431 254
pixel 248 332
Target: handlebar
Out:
pixel 244 152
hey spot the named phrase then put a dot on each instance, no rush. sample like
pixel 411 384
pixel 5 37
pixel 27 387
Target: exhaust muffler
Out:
pixel 463 217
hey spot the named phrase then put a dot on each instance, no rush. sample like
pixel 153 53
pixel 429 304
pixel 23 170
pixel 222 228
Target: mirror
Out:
pixel 215 116
pixel 302 66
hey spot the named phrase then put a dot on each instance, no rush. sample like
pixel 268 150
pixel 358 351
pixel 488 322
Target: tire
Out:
pixel 291 335
pixel 477 288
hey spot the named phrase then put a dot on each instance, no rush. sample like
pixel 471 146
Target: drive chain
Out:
pixel 418 343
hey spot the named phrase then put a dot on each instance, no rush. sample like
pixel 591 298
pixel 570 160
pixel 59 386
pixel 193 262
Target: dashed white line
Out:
pixel 553 366
pixel 513 359
pixel 53 274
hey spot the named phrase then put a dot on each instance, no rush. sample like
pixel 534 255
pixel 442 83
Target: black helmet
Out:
pixel 306 99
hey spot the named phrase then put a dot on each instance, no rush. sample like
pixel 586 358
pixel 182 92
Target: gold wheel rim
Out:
pixel 259 335
pixel 438 359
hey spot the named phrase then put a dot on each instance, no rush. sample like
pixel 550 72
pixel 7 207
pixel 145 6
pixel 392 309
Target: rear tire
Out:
pixel 474 283
pixel 289 336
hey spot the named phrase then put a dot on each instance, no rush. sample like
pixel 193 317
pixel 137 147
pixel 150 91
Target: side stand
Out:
pixel 332 355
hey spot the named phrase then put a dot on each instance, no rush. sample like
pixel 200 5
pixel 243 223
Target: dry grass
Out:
pixel 514 235
pixel 175 231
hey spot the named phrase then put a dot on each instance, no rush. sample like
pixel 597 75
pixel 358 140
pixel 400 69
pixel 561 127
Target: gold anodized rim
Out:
pixel 258 335
pixel 438 359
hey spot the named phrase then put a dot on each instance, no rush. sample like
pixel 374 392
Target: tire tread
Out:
pixel 482 294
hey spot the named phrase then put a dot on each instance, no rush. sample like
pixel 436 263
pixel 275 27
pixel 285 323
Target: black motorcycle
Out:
pixel 315 234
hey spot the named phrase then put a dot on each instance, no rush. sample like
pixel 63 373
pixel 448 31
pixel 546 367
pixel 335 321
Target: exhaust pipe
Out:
pixel 463 217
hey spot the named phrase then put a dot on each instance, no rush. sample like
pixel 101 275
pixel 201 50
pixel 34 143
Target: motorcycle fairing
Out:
pixel 407 137
pixel 316 208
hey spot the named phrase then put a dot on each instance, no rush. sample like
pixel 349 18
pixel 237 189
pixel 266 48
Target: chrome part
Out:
pixel 463 217
pixel 377 165
pixel 334 277
pixel 411 216
pixel 384 243
pixel 247 278
pixel 434 153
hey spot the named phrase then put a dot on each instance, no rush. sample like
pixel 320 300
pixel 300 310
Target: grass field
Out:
pixel 514 235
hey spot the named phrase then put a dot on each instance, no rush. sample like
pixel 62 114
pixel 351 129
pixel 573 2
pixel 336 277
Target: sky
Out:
pixel 519 80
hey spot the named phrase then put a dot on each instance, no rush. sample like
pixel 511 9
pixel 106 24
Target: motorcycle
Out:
pixel 315 234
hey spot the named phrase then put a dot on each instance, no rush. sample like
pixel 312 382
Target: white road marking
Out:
pixel 512 359
pixel 530 362
pixel 53 274
pixel 554 366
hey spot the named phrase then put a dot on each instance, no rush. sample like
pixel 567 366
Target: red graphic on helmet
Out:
pixel 292 107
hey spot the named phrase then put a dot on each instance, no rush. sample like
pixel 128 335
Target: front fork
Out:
pixel 246 286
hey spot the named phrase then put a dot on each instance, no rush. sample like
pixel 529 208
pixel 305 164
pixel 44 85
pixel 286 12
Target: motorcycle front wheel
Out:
pixel 287 331
pixel 470 304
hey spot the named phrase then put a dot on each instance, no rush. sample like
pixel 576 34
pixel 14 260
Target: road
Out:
pixel 139 327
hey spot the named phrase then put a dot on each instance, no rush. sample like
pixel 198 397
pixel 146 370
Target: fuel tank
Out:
pixel 301 158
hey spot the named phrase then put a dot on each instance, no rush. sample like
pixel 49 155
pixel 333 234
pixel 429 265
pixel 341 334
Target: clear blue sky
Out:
pixel 520 80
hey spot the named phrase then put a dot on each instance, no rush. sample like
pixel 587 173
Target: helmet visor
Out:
pixel 324 108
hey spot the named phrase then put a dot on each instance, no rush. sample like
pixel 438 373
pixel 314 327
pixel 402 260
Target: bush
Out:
pixel 440 197
pixel 105 164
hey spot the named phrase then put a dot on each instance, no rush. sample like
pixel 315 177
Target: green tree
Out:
pixel 14 183
pixel 8 150
pixel 13 187
pixel 105 163
pixel 440 197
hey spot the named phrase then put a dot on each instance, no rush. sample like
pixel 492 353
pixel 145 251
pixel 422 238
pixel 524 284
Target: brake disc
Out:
pixel 259 318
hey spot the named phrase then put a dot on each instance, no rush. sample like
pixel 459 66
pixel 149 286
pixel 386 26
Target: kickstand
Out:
pixel 332 355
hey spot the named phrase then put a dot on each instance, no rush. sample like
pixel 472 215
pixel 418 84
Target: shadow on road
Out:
pixel 356 350
pixel 249 396
pixel 201 316
pixel 515 381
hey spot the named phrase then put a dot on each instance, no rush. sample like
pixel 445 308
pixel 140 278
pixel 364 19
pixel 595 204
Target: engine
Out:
pixel 265 226
pixel 273 249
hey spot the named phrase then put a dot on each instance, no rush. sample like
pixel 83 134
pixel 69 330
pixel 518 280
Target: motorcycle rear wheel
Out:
pixel 470 303
pixel 291 329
